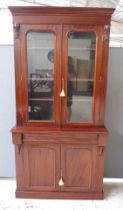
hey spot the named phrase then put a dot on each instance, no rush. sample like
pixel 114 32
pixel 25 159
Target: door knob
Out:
pixel 61 181
pixel 62 94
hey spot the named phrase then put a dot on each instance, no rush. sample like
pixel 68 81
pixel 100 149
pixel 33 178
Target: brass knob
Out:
pixel 61 182
pixel 62 94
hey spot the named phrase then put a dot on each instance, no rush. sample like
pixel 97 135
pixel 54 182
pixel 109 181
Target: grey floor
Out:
pixel 113 189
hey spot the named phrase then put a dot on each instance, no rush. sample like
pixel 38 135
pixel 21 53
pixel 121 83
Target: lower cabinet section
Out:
pixel 59 169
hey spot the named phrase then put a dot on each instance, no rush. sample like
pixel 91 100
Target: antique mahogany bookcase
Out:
pixel 61 57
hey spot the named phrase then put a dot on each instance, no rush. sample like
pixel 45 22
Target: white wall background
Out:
pixel 6 33
pixel 7 110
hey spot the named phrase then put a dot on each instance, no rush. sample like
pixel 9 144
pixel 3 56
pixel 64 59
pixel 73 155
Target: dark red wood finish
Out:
pixel 41 155
pixel 97 74
pixel 47 151
pixel 57 71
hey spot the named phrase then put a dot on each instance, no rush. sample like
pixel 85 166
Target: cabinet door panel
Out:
pixel 81 59
pixel 40 59
pixel 41 74
pixel 78 167
pixel 42 166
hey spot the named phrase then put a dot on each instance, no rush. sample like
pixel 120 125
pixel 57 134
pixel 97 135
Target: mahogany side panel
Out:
pixel 18 141
pixel 100 162
pixel 18 73
pixel 105 55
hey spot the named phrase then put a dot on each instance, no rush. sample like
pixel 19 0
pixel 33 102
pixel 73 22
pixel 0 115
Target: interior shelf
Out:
pixel 84 48
pixel 40 99
pixel 41 79
pixel 81 80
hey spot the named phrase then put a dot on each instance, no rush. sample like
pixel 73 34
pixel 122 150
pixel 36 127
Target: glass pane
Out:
pixel 81 57
pixel 40 60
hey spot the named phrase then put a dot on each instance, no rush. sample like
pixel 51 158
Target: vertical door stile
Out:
pixel 59 76
pixel 24 78
pixel 98 78
pixel 64 75
pixel 62 79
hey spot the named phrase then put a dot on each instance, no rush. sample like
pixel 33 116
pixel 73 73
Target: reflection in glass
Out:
pixel 81 56
pixel 40 59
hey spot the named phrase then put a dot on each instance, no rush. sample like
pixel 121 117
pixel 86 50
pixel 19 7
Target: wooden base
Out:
pixel 60 195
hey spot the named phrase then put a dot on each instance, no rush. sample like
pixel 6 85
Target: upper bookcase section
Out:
pixel 80 15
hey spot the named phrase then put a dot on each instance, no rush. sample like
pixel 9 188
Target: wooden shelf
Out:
pixel 81 80
pixel 84 48
pixel 52 79
pixel 42 79
pixel 40 48
pixel 41 99
pixel 83 98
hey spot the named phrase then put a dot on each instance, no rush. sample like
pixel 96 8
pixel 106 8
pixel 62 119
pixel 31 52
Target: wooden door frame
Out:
pixel 57 72
pixel 27 147
pixel 92 175
pixel 98 30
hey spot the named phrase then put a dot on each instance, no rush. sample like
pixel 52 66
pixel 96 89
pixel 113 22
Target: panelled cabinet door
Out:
pixel 40 60
pixel 81 59
pixel 78 167
pixel 41 166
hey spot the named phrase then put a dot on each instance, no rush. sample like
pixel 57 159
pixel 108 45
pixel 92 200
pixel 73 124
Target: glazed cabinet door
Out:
pixel 78 164
pixel 41 166
pixel 81 67
pixel 40 76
